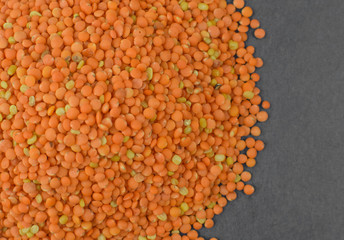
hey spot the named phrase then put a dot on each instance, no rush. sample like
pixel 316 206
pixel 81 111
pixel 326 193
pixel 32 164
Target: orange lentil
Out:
pixel 262 116
pixel 259 33
pixel 266 104
pixel 249 189
pixel 254 24
pixel 126 119
pixel 251 162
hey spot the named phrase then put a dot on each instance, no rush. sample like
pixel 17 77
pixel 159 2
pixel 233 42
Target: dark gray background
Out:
pixel 299 176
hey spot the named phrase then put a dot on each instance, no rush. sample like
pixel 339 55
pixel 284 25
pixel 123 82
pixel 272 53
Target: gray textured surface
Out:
pixel 299 176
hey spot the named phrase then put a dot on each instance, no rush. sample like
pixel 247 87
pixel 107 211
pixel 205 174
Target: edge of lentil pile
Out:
pixel 125 119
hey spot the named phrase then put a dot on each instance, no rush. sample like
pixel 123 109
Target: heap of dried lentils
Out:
pixel 125 119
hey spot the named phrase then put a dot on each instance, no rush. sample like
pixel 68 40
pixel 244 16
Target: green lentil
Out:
pixel 23 88
pixel 211 52
pixel 205 34
pixel 233 45
pixel 211 205
pixel 151 87
pixel 162 217
pixel 102 99
pixel 216 73
pixel 201 221
pixel 11 40
pixel 187 122
pixel 188 130
pixel 35 13
pixel 7 95
pixel 181 100
pixel 25 150
pixel 32 140
pixel 60 111
pixel 67 107
pixel 203 6
pixel 7 25
pixel 220 157
pixel 174 181
pixel 203 122
pixel 210 23
pixel 13 109
pixel 229 161
pixel 12 70
pixel 130 154
pixel 237 178
pixel 101 237
pixel 76 132
pixel 207 40
pixel 126 139
pixel 184 206
pixel 175 67
pixel 115 158
pixel 29 234
pixel 248 94
pixel 32 101
pixel 4 84
pixel 25 230
pixel 144 104
pixel 207 130
pixel 38 198
pixel 93 165
pixel 184 6
pixel 63 219
pixel 70 84
pixel 80 64
pixel 132 173
pixel 184 191
pixel 176 159
pixel 210 154
pixel 82 203
pixel 149 73
pixel 34 229
pixel 103 140
pixel 151 237
pixel 213 82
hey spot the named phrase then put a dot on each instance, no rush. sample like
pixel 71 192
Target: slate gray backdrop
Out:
pixel 299 177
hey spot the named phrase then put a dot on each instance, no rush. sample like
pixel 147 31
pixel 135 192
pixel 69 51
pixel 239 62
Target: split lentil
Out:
pixel 125 119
